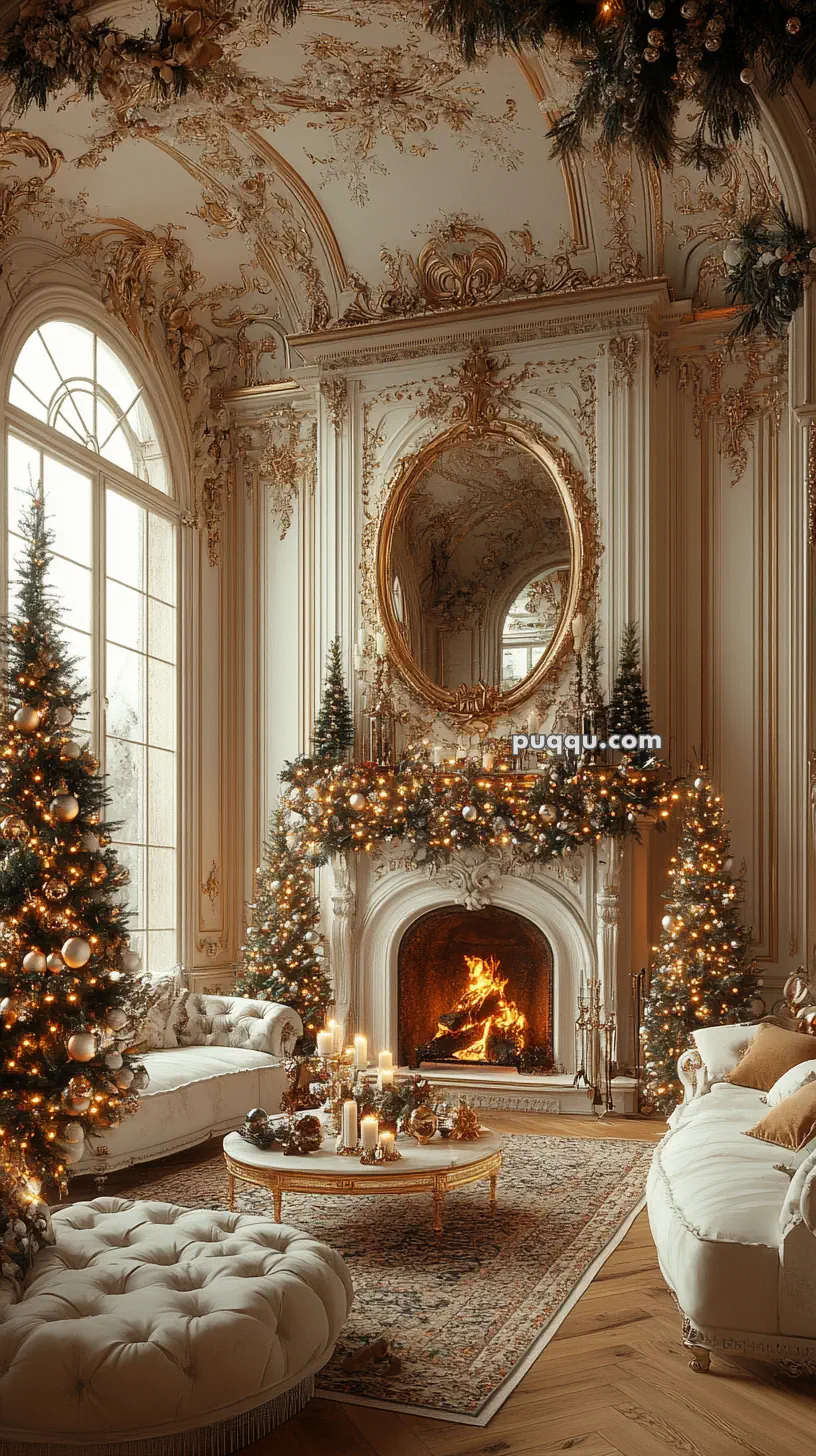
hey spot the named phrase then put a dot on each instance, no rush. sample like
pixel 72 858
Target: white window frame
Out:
pixel 104 474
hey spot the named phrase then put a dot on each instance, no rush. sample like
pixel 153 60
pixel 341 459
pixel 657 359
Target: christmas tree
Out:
pixel 701 977
pixel 68 985
pixel 334 729
pixel 282 958
pixel 629 710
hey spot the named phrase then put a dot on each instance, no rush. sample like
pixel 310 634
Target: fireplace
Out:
pixel 475 987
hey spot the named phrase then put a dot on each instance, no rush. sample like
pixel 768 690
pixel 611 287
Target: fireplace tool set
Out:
pixel 595 1046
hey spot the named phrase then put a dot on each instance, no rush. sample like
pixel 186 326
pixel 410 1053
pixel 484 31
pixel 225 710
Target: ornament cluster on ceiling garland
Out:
pixel 638 62
pixel 768 263
pixel 332 808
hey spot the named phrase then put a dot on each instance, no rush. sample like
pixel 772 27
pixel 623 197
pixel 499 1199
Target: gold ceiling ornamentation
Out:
pixel 334 390
pixel 287 463
pixel 623 351
pixel 748 190
pixel 760 391
pixel 463 265
pixel 477 392
pixel 23 194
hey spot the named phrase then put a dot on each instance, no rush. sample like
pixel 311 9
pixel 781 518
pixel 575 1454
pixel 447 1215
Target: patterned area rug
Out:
pixel 467 1318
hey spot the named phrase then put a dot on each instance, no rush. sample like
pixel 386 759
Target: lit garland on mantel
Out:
pixel 539 817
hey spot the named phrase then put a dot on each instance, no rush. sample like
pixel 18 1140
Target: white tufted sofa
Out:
pixel 152 1330
pixel 230 1059
pixel 733 1223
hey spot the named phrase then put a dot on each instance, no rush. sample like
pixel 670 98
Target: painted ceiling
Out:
pixel 328 173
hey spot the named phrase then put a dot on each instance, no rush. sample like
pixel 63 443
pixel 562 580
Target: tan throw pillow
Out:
pixel 792 1123
pixel 772 1052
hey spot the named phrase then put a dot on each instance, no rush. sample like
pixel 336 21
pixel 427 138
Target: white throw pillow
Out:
pixel 721 1048
pixel 159 1029
pixel 791 1081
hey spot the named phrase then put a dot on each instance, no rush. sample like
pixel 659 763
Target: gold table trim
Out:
pixel 437 1182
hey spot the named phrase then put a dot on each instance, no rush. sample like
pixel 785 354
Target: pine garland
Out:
pixel 701 977
pixel 768 263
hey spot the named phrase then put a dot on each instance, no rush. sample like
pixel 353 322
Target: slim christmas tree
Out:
pixel 701 977
pixel 68 988
pixel 282 958
pixel 629 710
pixel 334 729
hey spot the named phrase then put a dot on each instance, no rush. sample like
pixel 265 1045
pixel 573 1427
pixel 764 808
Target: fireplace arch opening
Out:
pixel 475 988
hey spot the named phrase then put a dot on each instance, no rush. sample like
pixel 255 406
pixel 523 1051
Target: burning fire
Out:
pixel 483 1013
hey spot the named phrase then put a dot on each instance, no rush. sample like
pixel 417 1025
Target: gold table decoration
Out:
pixel 437 1168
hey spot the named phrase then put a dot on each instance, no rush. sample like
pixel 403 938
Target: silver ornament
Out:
pixel 113 1061
pixel 70 750
pixel 27 719
pixel 64 807
pixel 64 717
pixel 469 812
pixel 357 801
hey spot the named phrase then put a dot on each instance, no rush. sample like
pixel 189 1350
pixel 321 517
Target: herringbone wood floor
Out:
pixel 613 1382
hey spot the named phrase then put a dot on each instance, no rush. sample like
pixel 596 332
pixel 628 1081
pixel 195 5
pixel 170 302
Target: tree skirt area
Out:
pixel 467 1317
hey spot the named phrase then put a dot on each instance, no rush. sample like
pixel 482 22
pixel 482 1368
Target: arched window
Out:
pixel 78 421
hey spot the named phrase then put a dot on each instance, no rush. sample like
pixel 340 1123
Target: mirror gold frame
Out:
pixel 480 700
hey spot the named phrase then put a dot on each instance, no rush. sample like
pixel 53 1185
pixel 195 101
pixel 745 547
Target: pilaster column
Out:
pixel 343 897
pixel 607 917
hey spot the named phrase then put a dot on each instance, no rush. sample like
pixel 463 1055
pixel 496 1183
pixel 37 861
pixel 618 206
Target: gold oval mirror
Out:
pixel 479 568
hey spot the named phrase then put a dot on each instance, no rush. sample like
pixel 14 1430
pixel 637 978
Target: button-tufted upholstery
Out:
pixel 145 1319
pixel 232 1062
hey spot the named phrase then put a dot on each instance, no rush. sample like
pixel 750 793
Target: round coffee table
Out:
pixel 437 1168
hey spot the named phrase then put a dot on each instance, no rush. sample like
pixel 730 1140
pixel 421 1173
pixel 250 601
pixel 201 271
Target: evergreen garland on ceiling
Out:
pixel 768 263
pixel 639 61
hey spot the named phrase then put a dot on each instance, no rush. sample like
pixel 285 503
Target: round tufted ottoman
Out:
pixel 152 1329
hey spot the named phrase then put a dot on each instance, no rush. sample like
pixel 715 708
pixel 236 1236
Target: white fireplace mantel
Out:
pixel 371 902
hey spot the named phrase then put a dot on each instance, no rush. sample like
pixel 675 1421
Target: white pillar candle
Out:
pixel 487 761
pixel 381 643
pixel 350 1124
pixel 361 1052
pixel 437 755
pixel 325 1043
pixel 385 1079
pixel 533 721
pixel 368 1133
pixel 385 1059
pixel 387 1141
pixel 336 1029
pixel 361 639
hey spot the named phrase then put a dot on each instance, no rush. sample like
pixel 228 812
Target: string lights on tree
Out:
pixel 282 959
pixel 334 728
pixel 69 989
pixel 701 976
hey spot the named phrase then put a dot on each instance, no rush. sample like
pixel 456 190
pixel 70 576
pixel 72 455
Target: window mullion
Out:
pixel 99 619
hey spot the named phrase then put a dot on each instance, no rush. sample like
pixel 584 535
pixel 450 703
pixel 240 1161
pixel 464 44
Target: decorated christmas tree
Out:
pixel 68 985
pixel 334 729
pixel 701 977
pixel 629 710
pixel 282 958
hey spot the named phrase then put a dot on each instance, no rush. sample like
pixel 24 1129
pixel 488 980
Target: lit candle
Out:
pixel 387 1141
pixel 336 1029
pixel 361 1052
pixel 487 760
pixel 350 1124
pixel 381 643
pixel 578 625
pixel 385 1079
pixel 437 755
pixel 358 661
pixel 385 1059
pixel 325 1043
pixel 368 1133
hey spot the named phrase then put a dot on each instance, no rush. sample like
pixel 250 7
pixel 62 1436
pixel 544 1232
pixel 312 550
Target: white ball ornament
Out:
pixel 55 963
pixel 34 963
pixel 76 952
pixel 27 719
pixel 470 813
pixel 124 1079
pixel 82 1046
pixel 728 864
pixel 71 1132
pixel 547 813
pixel 115 1019
pixel 357 801
pixel 64 807
pixel 70 750
pixel 64 717
pixel 732 253
pixel 130 960
pixel 113 1061
pixel 79 1104
pixel 667 922
pixel 699 783
pixel 90 843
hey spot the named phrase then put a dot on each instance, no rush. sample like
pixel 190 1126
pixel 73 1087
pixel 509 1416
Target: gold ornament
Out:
pixel 76 952
pixel 64 807
pixel 422 1124
pixel 304 1136
pixel 14 827
pixel 27 719
pixel 56 890
pixel 465 1127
